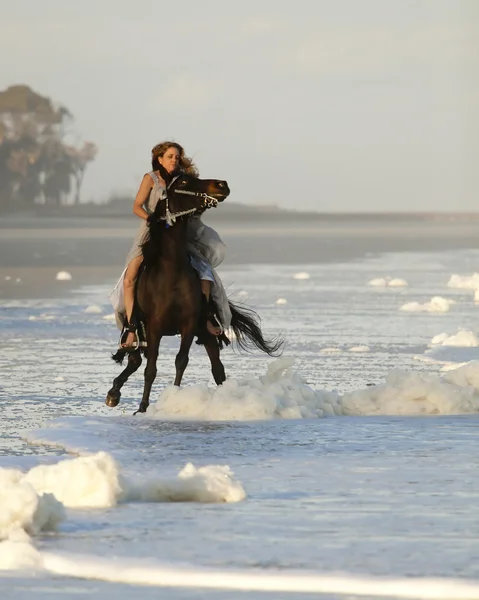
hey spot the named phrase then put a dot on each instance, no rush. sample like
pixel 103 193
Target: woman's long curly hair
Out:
pixel 186 164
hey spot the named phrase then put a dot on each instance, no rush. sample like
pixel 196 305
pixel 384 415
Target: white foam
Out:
pixel 331 350
pixel 398 282
pixel 466 376
pixel 452 366
pixel 463 338
pixel 148 573
pixel 87 481
pixel 212 483
pixel 437 304
pixel 34 501
pixel 110 317
pixel 93 309
pixel 378 282
pixel 388 281
pixel 467 282
pixel 42 317
pixel 301 275
pixel 280 301
pixel 23 508
pixel 280 394
pixel 7 277
pixel 283 394
pixel 359 349
pixel 63 276
pixel 19 555
pixel 411 393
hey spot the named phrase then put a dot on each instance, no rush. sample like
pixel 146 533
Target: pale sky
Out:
pixel 328 105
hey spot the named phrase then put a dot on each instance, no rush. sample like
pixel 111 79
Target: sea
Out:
pixel 345 468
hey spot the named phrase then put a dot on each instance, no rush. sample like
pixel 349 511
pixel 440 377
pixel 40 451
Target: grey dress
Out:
pixel 205 247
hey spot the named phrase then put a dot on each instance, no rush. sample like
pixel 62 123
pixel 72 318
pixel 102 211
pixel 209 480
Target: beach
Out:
pixel 346 468
pixel 93 250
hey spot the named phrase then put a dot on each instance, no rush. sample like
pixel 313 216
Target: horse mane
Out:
pixel 151 246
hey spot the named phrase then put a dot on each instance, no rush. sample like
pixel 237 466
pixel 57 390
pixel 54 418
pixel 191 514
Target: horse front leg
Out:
pixel 150 371
pixel 182 358
pixel 114 395
pixel 217 368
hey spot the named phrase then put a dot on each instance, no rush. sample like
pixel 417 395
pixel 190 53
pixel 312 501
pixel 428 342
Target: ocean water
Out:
pixel 345 469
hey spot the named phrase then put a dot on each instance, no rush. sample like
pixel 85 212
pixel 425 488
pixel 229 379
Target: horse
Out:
pixel 168 296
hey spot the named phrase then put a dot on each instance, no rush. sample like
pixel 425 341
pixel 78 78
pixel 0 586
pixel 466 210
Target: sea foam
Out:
pixel 437 304
pixel 23 509
pixel 284 394
pixel 279 394
pixel 147 572
pixel 463 339
pixel 465 282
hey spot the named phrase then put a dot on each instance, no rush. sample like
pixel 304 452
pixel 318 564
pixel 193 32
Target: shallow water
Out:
pixel 360 495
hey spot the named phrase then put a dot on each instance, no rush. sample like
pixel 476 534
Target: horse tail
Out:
pixel 119 356
pixel 246 326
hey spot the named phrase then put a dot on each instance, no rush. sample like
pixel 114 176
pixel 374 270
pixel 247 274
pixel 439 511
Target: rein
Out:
pixel 170 218
pixel 210 201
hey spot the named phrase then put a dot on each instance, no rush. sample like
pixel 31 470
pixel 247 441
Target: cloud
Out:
pixel 186 91
pixel 378 50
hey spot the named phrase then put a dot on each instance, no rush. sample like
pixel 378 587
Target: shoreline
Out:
pixel 41 283
pixel 96 255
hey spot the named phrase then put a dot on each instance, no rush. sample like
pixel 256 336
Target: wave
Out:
pixel 146 573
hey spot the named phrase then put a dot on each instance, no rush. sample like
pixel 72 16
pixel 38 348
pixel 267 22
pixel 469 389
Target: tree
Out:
pixel 36 164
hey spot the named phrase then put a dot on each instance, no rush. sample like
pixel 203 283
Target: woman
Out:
pixel 204 245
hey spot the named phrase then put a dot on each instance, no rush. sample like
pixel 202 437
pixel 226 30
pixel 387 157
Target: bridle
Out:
pixel 209 201
pixel 170 218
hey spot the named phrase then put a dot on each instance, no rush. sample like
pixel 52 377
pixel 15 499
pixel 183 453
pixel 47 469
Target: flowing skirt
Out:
pixel 206 250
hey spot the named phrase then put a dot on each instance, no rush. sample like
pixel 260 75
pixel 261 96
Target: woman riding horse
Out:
pixel 177 290
pixel 205 247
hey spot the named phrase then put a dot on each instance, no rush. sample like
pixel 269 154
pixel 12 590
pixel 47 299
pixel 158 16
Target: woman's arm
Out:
pixel 142 197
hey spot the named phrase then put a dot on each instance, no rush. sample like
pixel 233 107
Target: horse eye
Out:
pixel 184 181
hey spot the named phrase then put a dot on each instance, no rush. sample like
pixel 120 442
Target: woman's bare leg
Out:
pixel 206 286
pixel 129 293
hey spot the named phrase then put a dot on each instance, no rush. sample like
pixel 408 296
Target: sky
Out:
pixel 344 106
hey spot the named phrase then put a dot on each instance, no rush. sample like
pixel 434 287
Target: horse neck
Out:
pixel 173 244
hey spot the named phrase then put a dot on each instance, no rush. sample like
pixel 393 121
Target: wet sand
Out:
pixel 93 250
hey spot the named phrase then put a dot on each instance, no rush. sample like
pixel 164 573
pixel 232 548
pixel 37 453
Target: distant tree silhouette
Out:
pixel 37 166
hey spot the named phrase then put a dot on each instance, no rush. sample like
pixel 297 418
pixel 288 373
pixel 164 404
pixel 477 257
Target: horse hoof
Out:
pixel 140 410
pixel 113 399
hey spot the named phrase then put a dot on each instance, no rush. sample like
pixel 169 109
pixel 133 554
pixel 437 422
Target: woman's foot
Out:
pixel 129 340
pixel 213 329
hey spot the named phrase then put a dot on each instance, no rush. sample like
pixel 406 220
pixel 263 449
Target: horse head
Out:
pixel 187 194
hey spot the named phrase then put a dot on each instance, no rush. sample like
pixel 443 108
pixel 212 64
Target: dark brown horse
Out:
pixel 168 293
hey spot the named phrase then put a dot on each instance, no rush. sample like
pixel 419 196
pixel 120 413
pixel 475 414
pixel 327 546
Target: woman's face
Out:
pixel 170 159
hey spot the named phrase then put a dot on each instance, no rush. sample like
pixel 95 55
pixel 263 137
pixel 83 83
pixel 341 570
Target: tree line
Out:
pixel 37 164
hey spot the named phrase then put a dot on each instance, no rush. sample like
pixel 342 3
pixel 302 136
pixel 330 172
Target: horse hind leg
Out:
pixel 182 358
pixel 114 395
pixel 217 368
